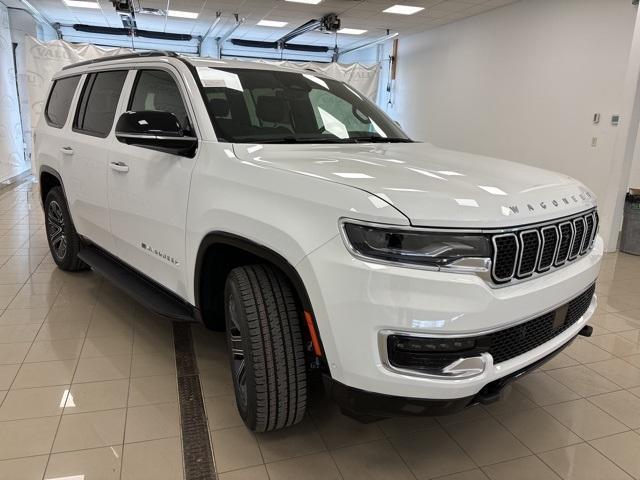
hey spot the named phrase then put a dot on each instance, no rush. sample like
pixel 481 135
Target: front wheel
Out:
pixel 266 349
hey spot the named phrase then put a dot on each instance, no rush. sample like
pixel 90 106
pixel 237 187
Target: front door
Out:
pixel 149 190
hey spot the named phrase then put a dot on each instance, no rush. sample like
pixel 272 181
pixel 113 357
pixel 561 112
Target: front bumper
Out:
pixel 355 300
pixel 365 406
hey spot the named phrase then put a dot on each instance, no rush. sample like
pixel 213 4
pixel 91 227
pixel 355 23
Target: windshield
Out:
pixel 265 106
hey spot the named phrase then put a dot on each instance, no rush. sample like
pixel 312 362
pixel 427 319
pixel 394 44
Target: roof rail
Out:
pixel 121 57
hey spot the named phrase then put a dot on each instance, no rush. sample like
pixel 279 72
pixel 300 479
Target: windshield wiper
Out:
pixel 297 140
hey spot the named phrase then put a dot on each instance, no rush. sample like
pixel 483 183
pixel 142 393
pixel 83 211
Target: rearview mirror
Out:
pixel 155 130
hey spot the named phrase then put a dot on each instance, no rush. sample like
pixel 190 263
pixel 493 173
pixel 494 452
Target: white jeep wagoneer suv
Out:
pixel 283 207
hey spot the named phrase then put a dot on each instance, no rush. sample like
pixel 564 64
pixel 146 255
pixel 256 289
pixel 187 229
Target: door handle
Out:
pixel 119 167
pixel 67 150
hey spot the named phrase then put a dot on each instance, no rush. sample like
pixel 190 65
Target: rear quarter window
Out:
pixel 59 101
pixel 98 102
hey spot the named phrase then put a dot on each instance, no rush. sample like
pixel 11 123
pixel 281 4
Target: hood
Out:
pixel 432 186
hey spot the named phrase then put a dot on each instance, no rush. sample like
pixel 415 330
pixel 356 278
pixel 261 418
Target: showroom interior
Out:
pixel 98 382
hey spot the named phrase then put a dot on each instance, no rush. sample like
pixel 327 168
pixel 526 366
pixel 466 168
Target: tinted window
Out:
pixel 156 90
pixel 258 106
pixel 60 100
pixel 97 107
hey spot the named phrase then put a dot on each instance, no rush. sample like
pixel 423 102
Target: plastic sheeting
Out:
pixel 362 77
pixel 12 158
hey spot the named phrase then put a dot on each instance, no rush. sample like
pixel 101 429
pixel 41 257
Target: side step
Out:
pixel 142 289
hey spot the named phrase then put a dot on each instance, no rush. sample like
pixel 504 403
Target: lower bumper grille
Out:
pixel 431 355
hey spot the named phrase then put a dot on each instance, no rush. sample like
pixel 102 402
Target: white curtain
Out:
pixel 45 59
pixel 12 157
pixel 362 77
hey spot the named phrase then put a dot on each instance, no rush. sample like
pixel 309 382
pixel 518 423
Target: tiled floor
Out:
pixel 88 391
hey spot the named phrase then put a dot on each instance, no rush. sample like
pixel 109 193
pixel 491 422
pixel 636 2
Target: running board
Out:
pixel 142 289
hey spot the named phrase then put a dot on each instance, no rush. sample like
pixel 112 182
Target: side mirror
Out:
pixel 155 130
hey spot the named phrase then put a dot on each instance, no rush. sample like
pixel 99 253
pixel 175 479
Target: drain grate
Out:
pixel 196 444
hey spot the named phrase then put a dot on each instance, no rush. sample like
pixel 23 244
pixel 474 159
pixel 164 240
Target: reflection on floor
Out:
pixel 88 391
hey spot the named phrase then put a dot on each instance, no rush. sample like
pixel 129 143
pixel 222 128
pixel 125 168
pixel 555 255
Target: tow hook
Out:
pixel 586 331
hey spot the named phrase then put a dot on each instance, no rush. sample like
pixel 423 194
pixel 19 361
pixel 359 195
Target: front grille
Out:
pixel 538 249
pixel 431 355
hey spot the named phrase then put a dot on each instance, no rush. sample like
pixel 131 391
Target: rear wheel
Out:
pixel 64 241
pixel 266 349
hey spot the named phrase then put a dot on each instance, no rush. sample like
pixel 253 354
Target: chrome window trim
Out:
pixel 555 249
pixel 519 273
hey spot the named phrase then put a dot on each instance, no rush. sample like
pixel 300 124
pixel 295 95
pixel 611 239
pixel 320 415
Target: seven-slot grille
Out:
pixel 537 249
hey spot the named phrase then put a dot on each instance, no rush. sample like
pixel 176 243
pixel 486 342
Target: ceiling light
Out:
pixel 182 14
pixel 310 2
pixel 403 9
pixel 81 4
pixel 352 31
pixel 271 23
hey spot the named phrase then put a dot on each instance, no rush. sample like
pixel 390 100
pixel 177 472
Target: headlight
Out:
pixel 420 248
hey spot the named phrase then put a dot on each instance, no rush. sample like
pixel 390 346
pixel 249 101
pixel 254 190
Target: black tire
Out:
pixel 266 349
pixel 64 241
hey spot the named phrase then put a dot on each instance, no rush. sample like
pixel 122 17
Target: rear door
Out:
pixel 149 190
pixel 85 154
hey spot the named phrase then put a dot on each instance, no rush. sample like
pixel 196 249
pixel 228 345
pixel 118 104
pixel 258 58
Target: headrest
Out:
pixel 219 107
pixel 270 109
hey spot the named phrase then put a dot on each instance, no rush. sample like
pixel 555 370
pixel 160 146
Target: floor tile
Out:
pixel 538 430
pixel 62 330
pixel 45 374
pixel 373 461
pixel 431 453
pixel 28 468
pixel 150 390
pixel 583 381
pixel 33 403
pixel 585 352
pixel 106 346
pixel 486 441
pixel 252 473
pixel 97 369
pixel 338 430
pixel 586 419
pixel 623 449
pixel 400 425
pixel 90 430
pixel 298 440
pixel 616 345
pixel 222 412
pixel 18 333
pixel 319 466
pixel 236 448
pixel 151 422
pixel 563 359
pixel 153 460
pixel 7 375
pixel 94 464
pixel 512 400
pixel 544 390
pixel 527 468
pixel 582 462
pixel 47 351
pixel 24 438
pixel 618 371
pixel 13 353
pixel 23 316
pixel 474 474
pixel 622 405
pixel 95 396
pixel 148 364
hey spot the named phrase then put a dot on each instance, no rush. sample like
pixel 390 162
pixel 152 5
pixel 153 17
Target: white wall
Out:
pixel 522 82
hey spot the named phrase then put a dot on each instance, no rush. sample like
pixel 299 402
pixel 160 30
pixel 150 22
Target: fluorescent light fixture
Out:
pixel 182 14
pixel 271 23
pixel 352 31
pixel 81 4
pixel 310 2
pixel 403 9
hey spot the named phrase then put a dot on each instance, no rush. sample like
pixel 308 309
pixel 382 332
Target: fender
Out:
pixel 249 246
pixel 50 171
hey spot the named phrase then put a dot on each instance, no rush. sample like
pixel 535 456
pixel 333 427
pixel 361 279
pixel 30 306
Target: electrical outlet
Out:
pixel 594 142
